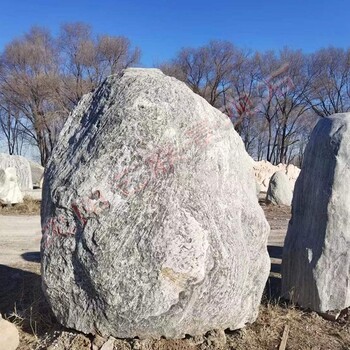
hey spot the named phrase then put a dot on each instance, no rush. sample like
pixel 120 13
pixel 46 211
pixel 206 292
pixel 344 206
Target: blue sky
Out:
pixel 160 28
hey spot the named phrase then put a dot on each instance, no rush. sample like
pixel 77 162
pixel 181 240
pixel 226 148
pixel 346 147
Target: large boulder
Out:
pixel 22 166
pixel 280 191
pixel 10 192
pixel 150 221
pixel 316 256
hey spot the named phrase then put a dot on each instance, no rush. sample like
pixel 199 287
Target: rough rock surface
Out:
pixel 257 189
pixel 316 255
pixel 37 174
pixel 9 337
pixel 9 189
pixel 22 166
pixel 150 221
pixel 264 170
pixel 280 190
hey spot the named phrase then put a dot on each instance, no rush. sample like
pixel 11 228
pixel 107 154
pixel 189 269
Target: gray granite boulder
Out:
pixel 316 257
pixel 22 166
pixel 280 190
pixel 150 221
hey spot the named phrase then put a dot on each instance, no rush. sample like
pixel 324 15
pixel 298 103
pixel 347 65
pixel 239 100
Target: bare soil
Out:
pixel 19 239
pixel 23 303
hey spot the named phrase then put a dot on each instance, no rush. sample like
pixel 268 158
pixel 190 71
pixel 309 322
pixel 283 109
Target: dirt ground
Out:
pixel 19 239
pixel 22 302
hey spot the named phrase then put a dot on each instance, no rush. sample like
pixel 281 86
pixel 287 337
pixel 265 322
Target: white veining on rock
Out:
pixel 150 218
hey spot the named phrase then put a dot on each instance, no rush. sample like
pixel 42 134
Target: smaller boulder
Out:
pixel 10 192
pixel 280 191
pixel 263 171
pixel 22 166
pixel 9 337
pixel 37 174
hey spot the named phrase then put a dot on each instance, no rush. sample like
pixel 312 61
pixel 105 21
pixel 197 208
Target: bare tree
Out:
pixel 29 79
pixel 114 53
pixel 78 55
pixel 281 84
pixel 290 99
pixel 87 59
pixel 262 93
pixel 266 107
pixel 329 92
pixel 240 99
pixel 273 99
pixel 42 78
pixel 10 127
pixel 206 70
